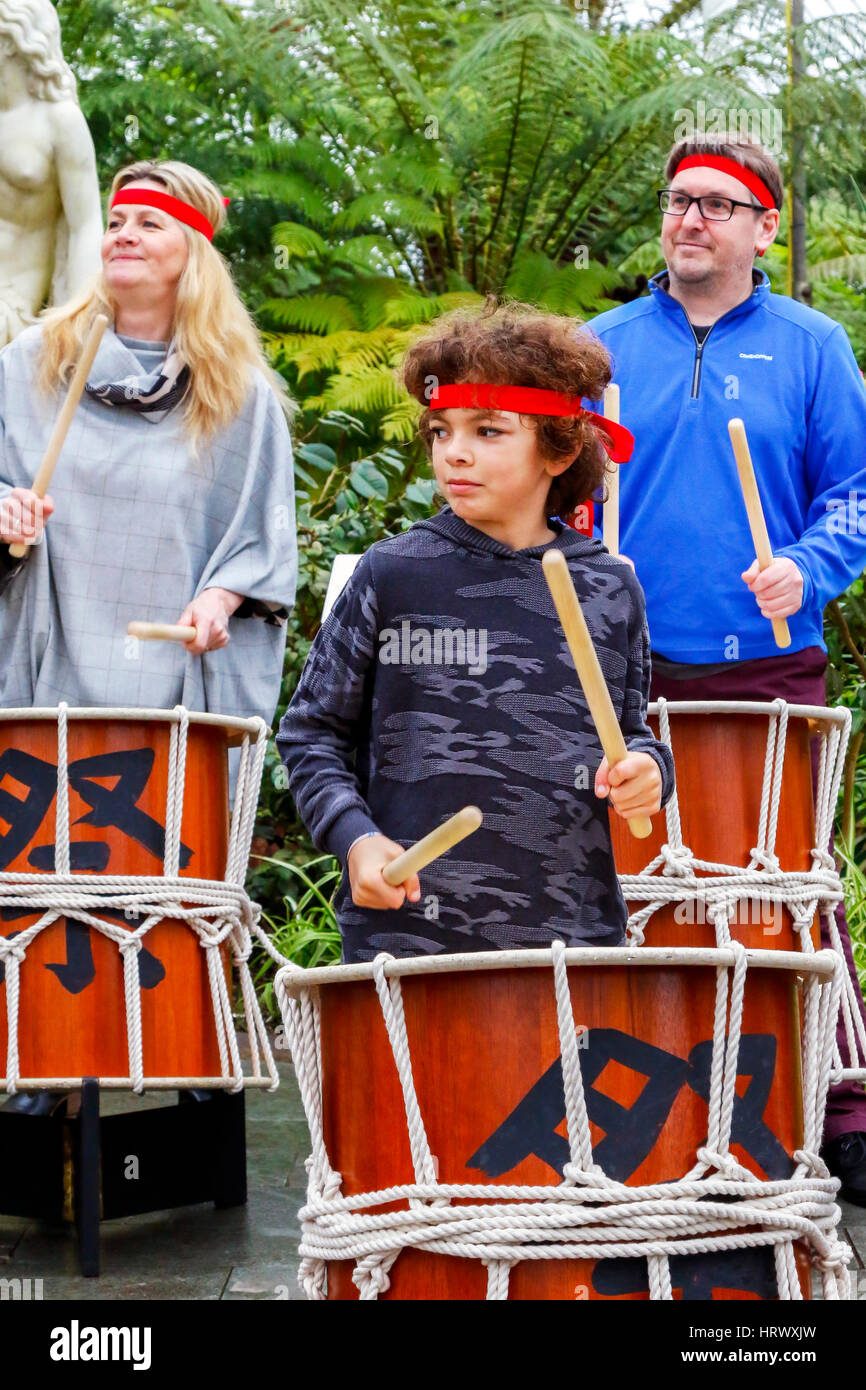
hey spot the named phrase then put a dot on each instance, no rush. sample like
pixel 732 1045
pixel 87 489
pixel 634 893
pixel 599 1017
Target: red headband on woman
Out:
pixel 152 198
pixel 736 171
pixel 533 400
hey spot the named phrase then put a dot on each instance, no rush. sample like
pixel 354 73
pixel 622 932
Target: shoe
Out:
pixel 846 1159
pixel 39 1103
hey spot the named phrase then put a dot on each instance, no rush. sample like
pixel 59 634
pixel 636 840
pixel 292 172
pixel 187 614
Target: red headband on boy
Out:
pixel 533 400
pixel 736 171
pixel 152 198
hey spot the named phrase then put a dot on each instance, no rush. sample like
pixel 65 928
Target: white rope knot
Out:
pixel 371 1276
pixel 766 859
pixel 312 1276
pixel 815 1166
pixel 678 860
pixel 593 1176
pixel 823 859
pixel 838 1254
pixel 634 932
pixel 725 1164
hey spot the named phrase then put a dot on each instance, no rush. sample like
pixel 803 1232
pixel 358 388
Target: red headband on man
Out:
pixel 736 171
pixel 533 400
pixel 152 198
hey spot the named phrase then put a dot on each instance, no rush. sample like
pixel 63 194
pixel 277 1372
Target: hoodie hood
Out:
pixel 571 542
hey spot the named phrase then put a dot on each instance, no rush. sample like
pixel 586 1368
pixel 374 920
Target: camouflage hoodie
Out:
pixel 440 678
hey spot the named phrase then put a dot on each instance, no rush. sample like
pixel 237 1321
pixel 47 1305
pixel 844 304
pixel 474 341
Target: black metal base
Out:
pixel 89 1167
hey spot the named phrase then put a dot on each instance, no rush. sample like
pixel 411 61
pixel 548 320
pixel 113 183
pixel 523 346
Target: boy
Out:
pixel 442 677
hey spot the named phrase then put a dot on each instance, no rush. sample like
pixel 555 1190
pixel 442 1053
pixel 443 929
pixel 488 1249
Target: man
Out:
pixel 711 343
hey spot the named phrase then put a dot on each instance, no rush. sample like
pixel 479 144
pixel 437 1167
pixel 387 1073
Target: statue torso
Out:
pixel 29 194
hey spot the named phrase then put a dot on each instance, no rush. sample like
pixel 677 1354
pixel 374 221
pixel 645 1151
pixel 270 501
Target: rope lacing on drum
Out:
pixel 718 1205
pixel 219 913
pixel 675 875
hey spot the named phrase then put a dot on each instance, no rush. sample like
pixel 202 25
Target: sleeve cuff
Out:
pixel 666 769
pixel 345 830
pixel 792 553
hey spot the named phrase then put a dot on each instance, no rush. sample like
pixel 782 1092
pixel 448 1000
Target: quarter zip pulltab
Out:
pixel 699 353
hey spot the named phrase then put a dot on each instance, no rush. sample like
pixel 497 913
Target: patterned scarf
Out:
pixel 155 393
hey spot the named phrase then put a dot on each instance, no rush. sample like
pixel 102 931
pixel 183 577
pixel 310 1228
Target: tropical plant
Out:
pixel 303 928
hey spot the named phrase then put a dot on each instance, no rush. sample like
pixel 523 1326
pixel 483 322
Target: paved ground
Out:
pixel 192 1252
pixel 241 1254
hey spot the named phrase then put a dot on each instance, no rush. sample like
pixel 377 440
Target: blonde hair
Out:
pixel 213 332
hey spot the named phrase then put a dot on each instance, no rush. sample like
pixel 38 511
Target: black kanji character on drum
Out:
pixel 117 806
pixel 631 1132
pixel 111 807
pixel 698 1276
pixel 23 817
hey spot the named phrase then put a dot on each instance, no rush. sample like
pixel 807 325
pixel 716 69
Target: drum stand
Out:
pixel 84 1168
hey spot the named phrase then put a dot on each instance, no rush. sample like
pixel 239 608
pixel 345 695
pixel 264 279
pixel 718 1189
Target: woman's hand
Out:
pixel 209 614
pixel 634 785
pixel 367 859
pixel 23 516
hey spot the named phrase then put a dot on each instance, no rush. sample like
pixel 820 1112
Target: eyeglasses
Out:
pixel 710 206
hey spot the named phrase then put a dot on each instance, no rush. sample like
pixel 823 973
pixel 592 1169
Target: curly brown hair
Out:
pixel 514 344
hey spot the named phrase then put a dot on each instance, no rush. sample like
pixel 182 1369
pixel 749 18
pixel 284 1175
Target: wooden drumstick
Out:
pixel 161 632
pixel 589 671
pixel 610 510
pixel 757 524
pixel 423 852
pixel 64 419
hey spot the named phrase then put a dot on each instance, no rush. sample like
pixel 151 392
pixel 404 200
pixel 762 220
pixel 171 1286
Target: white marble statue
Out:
pixel 50 215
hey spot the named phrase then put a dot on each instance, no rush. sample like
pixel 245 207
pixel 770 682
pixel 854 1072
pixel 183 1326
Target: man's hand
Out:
pixel 23 516
pixel 778 589
pixel 209 614
pixel 634 785
pixel 366 861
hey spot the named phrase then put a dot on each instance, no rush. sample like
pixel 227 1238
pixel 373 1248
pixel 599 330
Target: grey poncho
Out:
pixel 140 528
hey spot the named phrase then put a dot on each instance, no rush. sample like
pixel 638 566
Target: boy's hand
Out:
pixel 366 861
pixel 633 785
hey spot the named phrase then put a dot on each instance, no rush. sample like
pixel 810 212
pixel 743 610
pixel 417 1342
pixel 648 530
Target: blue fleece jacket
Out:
pixel 789 373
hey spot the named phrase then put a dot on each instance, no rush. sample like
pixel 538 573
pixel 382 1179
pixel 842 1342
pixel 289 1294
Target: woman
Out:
pixel 173 498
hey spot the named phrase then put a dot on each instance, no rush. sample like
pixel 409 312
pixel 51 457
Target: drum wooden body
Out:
pixel 485 1056
pixel 719 761
pixel 72 1020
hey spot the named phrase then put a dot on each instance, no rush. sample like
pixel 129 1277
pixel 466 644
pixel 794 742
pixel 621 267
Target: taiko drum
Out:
pixel 719 761
pixel 485 1053
pixel 72 1017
